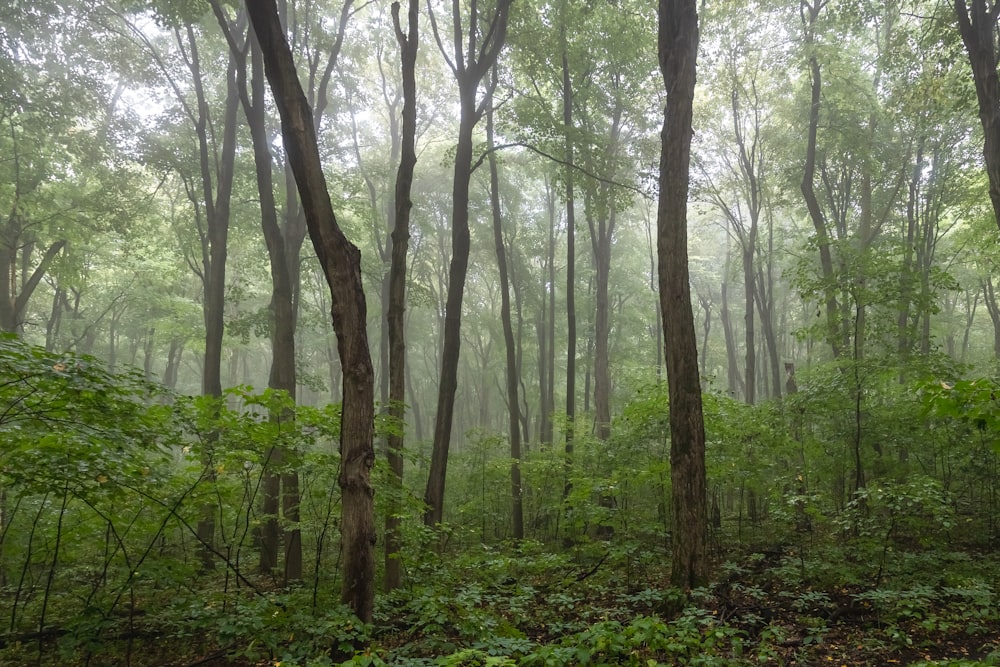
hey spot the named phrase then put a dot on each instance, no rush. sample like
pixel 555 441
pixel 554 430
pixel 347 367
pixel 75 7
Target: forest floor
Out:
pixel 611 605
pixel 776 606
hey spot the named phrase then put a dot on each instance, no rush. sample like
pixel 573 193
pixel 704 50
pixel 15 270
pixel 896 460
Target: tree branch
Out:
pixel 589 174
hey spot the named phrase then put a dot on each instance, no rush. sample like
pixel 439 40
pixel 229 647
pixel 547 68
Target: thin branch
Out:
pixel 589 174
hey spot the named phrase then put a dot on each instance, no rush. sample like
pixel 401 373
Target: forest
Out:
pixel 493 332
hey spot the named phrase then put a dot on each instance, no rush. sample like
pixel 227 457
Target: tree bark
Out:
pixel 993 308
pixel 341 262
pixel 678 50
pixel 602 230
pixel 977 22
pixel 408 44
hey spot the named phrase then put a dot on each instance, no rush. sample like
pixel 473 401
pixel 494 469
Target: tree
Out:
pixel 341 263
pixel 396 309
pixel 678 51
pixel 512 374
pixel 55 125
pixel 977 23
pixel 486 38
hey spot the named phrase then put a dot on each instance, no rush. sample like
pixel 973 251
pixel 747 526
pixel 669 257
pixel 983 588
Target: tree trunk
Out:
pixel 14 301
pixel 765 308
pixel 399 240
pixel 809 191
pixel 601 235
pixel 750 374
pixel 513 402
pixel 469 69
pixel 282 375
pixel 733 377
pixel 678 49
pixel 978 24
pixel 993 308
pixel 450 351
pixel 341 262
pixel 174 354
pixel 567 109
pixel 217 174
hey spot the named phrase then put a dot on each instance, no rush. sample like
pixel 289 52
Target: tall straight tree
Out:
pixel 475 49
pixel 678 51
pixel 341 263
pixel 399 240
pixel 282 374
pixel 513 375
pixel 567 116
pixel 217 174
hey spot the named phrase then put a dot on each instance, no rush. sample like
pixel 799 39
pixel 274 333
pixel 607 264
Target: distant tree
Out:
pixel 510 349
pixel 485 36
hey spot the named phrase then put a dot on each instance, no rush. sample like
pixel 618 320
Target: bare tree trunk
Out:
pixel 469 69
pixel 341 262
pixel 993 308
pixel 174 354
pixel 408 44
pixel 216 193
pixel 13 301
pixel 733 377
pixel 809 175
pixel 978 25
pixel 678 49
pixel 602 230
pixel 513 402
pixel 567 109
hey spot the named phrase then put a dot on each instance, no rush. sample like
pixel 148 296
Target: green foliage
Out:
pixel 103 478
pixel 972 402
pixel 68 423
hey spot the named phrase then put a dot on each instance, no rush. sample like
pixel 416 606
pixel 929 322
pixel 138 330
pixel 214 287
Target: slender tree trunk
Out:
pixel 448 382
pixel 399 240
pixel 602 232
pixel 678 49
pixel 750 396
pixel 706 327
pixel 567 109
pixel 733 377
pixel 341 262
pixel 513 402
pixel 174 354
pixel 282 375
pixel 809 16
pixel 541 328
pixel 216 193
pixel 469 70
pixel 148 348
pixel 602 333
pixel 546 316
pixel 765 309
